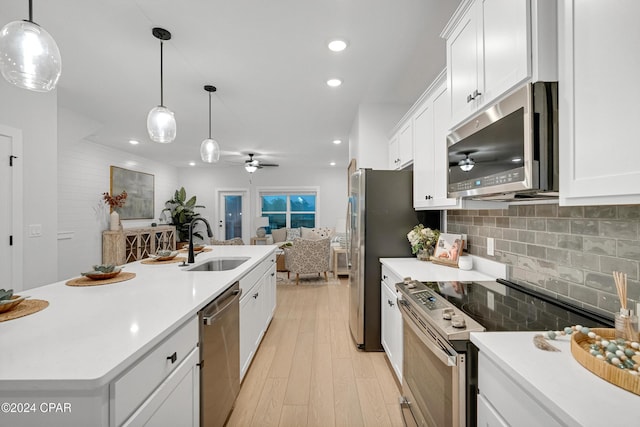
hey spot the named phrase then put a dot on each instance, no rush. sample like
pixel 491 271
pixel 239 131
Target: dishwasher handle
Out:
pixel 210 318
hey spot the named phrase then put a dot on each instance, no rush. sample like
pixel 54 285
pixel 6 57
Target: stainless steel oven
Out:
pixel 435 376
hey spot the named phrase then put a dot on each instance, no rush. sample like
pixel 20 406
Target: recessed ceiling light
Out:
pixel 334 82
pixel 337 45
pixel 134 142
pixel 332 163
pixel 192 163
pixel 337 141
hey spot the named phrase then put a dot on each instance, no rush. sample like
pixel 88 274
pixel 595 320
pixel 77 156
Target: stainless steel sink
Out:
pixel 219 264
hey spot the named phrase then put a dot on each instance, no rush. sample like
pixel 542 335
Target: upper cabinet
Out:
pixel 495 45
pixel 401 145
pixel 430 163
pixel 598 101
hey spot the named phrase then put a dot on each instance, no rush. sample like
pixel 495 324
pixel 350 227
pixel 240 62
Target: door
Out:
pixel 233 215
pixel 11 245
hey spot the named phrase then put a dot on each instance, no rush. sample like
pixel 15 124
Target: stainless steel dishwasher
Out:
pixel 220 357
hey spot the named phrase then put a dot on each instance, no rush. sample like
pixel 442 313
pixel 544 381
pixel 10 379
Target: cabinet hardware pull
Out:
pixel 469 99
pixel 390 303
pixel 173 358
pixel 255 296
pixel 273 274
pixel 476 94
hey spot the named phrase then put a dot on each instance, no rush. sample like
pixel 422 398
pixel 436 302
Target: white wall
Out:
pixel 370 132
pixel 203 182
pixel 35 115
pixel 84 174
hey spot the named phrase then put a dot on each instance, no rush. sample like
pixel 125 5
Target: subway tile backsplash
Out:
pixel 569 252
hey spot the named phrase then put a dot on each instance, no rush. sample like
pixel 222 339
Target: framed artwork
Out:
pixel 139 187
pixel 448 249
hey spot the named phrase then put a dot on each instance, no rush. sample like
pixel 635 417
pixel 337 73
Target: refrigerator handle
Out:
pixel 349 224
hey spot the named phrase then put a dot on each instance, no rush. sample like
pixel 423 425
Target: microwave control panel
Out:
pixel 513 175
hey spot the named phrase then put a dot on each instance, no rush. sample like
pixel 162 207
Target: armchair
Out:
pixel 306 256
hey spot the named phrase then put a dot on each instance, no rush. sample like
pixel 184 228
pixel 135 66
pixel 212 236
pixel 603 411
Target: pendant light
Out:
pixel 29 57
pixel 161 124
pixel 209 149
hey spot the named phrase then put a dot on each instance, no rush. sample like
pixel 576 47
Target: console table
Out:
pixel 133 244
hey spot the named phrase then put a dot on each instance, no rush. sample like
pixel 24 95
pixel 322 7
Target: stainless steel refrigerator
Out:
pixel 380 216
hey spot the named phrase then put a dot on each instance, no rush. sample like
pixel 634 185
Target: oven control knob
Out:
pixel 447 313
pixel 457 321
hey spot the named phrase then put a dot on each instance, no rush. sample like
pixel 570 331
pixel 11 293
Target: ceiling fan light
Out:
pixel 29 56
pixel 210 151
pixel 250 168
pixel 466 164
pixel 161 125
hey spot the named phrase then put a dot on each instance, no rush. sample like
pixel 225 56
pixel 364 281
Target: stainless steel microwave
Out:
pixel 510 150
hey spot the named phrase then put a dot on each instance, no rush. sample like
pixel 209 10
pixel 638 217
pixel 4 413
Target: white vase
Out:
pixel 115 221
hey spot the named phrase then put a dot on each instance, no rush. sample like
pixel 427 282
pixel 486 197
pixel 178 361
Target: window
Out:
pixel 289 209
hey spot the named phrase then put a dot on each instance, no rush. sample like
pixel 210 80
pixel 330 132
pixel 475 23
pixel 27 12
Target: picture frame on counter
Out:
pixel 448 249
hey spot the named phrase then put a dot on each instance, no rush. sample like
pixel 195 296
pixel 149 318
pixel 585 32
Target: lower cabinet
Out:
pixel 257 305
pixel 391 321
pixel 162 388
pixel 502 401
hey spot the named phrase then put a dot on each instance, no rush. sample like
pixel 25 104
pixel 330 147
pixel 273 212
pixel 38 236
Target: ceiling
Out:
pixel 268 59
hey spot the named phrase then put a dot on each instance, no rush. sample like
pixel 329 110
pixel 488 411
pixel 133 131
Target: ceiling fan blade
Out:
pixel 269 164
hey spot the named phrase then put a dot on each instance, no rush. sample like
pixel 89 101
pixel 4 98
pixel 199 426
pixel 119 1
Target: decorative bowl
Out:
pixel 164 255
pixel 100 275
pixel 197 248
pixel 8 304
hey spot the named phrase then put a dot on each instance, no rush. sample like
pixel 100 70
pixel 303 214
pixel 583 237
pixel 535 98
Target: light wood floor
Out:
pixel 307 371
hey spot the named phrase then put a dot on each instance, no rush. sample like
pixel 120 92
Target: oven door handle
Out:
pixel 437 351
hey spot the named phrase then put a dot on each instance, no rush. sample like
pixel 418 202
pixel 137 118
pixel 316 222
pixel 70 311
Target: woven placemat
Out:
pixel 85 281
pixel 152 261
pixel 25 308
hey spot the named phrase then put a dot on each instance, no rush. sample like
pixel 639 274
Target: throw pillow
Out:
pixel 323 231
pixel 292 233
pixel 279 235
pixel 309 233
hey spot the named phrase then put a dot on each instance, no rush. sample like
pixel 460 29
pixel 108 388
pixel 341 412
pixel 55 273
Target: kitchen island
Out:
pixel 74 351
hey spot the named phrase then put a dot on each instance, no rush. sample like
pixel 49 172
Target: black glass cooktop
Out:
pixel 507 306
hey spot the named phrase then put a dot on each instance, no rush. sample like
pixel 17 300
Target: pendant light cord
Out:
pixel 209 115
pixel 161 77
pixel 31 11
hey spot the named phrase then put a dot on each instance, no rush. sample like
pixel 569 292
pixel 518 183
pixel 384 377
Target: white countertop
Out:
pixel 88 335
pixel 424 271
pixel 558 381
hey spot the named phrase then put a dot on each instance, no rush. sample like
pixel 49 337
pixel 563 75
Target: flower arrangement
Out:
pixel 115 201
pixel 422 237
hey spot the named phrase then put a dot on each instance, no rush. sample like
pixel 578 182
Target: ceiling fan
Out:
pixel 465 164
pixel 252 164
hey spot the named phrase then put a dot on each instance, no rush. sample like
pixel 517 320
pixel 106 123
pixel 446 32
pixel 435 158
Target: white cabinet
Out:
pixel 598 100
pixel 502 401
pixel 430 123
pixel 257 305
pixel 401 145
pixel 391 321
pixel 495 45
pixel 162 382
pixel 394 154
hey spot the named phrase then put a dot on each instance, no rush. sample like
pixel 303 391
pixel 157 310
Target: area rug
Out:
pixel 306 279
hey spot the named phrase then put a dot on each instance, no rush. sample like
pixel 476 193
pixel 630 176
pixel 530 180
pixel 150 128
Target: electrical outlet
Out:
pixel 464 239
pixel 490 246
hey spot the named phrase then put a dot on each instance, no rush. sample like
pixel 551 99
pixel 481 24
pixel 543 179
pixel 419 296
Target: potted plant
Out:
pixel 182 213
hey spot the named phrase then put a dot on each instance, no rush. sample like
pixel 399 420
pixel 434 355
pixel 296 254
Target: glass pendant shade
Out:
pixel 29 57
pixel 161 125
pixel 210 151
